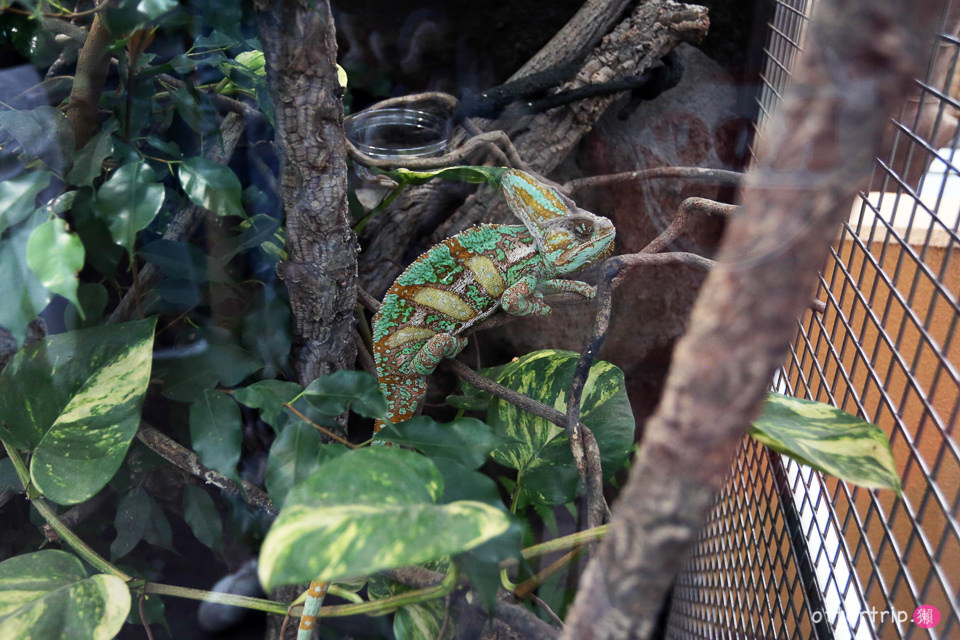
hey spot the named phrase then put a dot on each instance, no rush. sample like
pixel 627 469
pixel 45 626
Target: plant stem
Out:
pixel 560 544
pixel 259 604
pixel 385 605
pixel 48 514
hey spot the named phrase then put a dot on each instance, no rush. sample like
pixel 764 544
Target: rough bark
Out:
pixel 544 140
pixel 320 270
pixel 581 33
pixel 859 59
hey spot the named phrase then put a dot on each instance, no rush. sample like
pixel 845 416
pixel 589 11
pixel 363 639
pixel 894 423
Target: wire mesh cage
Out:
pixel 787 552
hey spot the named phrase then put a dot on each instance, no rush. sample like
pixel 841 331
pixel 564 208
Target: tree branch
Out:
pixel 321 269
pixel 93 63
pixel 185 459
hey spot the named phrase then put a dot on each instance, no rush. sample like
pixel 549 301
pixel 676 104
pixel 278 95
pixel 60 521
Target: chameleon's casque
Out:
pixel 467 278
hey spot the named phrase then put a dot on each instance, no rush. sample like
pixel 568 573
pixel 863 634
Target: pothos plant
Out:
pixel 91 414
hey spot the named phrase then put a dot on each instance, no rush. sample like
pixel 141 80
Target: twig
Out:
pixel 76 514
pixel 587 462
pixel 363 354
pixel 525 588
pixel 695 173
pixel 185 459
pixel 688 206
pixel 613 272
pixel 330 434
pixel 367 300
pixel 515 619
pixel 143 618
pixel 220 101
pixel 543 605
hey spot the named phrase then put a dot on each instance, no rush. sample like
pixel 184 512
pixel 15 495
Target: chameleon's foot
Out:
pixel 440 346
pixel 523 300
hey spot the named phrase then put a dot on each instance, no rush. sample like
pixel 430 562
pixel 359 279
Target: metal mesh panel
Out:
pixel 788 553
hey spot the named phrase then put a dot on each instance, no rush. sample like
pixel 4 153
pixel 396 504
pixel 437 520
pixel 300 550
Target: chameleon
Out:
pixel 467 278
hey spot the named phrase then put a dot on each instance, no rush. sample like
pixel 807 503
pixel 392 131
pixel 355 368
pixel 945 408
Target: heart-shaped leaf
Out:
pixel 47 594
pixel 367 510
pixel 56 256
pixel 74 400
pixel 829 440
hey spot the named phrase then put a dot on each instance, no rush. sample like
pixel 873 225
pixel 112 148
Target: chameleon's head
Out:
pixel 569 237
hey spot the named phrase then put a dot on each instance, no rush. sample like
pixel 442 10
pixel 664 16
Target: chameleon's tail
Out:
pixel 311 606
pixel 403 399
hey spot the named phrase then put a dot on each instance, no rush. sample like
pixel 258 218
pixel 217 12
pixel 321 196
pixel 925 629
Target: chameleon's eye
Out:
pixel 583 229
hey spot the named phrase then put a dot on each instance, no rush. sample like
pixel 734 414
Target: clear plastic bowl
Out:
pixel 397 133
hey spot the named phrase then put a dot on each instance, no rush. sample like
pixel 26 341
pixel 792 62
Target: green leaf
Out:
pixel 540 450
pixel 43 133
pixel 158 531
pixel 128 201
pixel 422 621
pixel 187 374
pixel 267 330
pixel 829 440
pixel 195 109
pixel 9 480
pixel 18 196
pixel 482 563
pixel 56 256
pixel 88 161
pixel 131 521
pixel 333 393
pixel 293 457
pixel 93 300
pixel 269 396
pixel 155 8
pixel 202 517
pixel 461 173
pixel 22 293
pixel 211 186
pixel 466 440
pixel 47 594
pixel 367 510
pixel 254 232
pixel 177 260
pixel 216 431
pixel 74 399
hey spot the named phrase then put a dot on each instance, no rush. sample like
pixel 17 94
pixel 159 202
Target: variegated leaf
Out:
pixel 540 450
pixel 829 440
pixel 47 594
pixel 74 400
pixel 368 510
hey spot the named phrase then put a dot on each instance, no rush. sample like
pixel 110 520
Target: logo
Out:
pixel 926 616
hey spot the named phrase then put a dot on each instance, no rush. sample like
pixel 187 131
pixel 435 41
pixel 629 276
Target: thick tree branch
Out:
pixel 93 63
pixel 859 59
pixel 321 269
